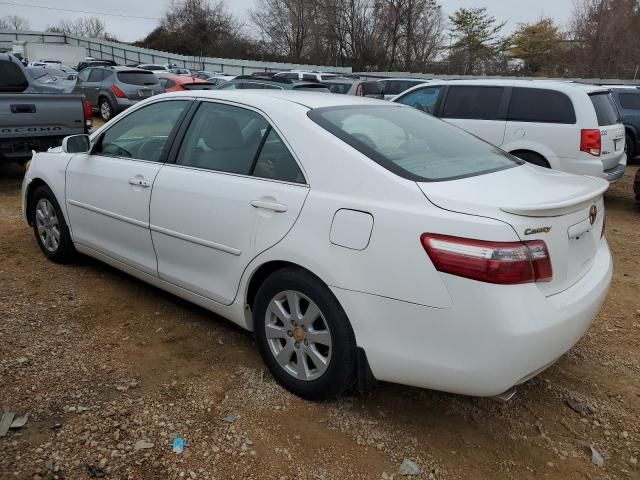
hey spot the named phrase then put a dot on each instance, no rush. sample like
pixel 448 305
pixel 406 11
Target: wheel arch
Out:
pixel 33 186
pixel 532 152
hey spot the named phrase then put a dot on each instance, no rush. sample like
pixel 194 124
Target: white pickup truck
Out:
pixel 33 118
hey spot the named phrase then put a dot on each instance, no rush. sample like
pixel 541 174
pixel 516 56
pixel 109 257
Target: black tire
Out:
pixel 340 373
pixel 533 158
pixel 106 109
pixel 630 148
pixel 63 250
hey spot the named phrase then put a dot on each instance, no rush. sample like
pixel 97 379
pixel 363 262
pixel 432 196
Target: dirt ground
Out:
pixel 101 361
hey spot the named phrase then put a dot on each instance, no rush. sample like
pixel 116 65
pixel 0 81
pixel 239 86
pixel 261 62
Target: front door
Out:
pixel 234 191
pixel 108 190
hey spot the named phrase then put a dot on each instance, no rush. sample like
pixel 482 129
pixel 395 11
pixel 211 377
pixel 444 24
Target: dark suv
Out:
pixel 114 89
pixel 627 100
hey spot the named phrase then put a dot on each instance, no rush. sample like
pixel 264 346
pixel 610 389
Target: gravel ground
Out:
pixel 110 370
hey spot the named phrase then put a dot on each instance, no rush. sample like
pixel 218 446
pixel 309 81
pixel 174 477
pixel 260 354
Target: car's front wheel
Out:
pixel 50 227
pixel 304 336
pixel 106 110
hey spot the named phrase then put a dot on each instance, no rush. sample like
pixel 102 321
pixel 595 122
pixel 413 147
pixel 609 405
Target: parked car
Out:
pixel 350 86
pixel 263 74
pixel 304 75
pixel 95 63
pixel 154 67
pixel 180 71
pixel 35 114
pixel 51 80
pixel 177 83
pixel 219 79
pixel 395 86
pixel 205 74
pixel 628 102
pixel 357 239
pixel 564 126
pixel 114 89
pixel 272 83
pixel 55 66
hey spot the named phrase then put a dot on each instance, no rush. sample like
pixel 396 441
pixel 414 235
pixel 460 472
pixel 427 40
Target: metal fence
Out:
pixel 124 54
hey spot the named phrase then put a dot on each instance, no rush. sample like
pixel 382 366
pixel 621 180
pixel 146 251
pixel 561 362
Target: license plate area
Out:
pixel 145 93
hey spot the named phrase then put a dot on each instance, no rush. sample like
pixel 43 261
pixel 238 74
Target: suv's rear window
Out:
pixel 630 101
pixel 606 110
pixel 11 77
pixel 540 105
pixel 412 144
pixel 138 78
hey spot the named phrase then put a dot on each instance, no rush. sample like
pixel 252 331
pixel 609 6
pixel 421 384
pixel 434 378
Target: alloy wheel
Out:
pixel 47 225
pixel 298 335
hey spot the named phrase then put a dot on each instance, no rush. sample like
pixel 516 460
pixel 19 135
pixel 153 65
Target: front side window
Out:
pixel 471 102
pixel 424 99
pixel 539 105
pixel 412 144
pixel 143 134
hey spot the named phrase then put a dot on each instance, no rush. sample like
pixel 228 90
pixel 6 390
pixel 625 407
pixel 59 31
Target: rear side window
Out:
pixel 309 78
pixel 96 75
pixel 539 105
pixel 138 78
pixel 338 87
pixel 276 162
pixel 11 77
pixel 479 103
pixel 606 110
pixel 395 87
pixel 412 144
pixel 629 101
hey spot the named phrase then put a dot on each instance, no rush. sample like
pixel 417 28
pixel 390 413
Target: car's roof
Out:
pixel 308 99
pixel 286 83
pixel 183 78
pixel 340 80
pixel 550 84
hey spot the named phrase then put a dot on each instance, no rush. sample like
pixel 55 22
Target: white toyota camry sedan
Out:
pixel 357 239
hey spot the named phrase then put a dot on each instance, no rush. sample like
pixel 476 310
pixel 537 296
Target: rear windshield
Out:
pixel 138 78
pixel 338 87
pixel 11 77
pixel 606 110
pixel 412 144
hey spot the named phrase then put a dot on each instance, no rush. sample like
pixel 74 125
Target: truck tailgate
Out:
pixel 40 115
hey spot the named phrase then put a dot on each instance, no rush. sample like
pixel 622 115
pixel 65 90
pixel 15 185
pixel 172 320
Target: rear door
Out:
pixel 611 129
pixel 478 109
pixel 234 190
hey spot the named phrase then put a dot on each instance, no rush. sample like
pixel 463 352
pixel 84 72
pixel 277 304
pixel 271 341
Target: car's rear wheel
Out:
pixel 50 227
pixel 533 158
pixel 106 110
pixel 304 336
pixel 630 148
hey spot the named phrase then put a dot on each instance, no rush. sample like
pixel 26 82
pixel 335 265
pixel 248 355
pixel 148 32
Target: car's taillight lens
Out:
pixel 505 263
pixel 591 141
pixel 88 113
pixel 117 92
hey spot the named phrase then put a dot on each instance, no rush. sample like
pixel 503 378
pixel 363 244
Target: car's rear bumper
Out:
pixel 586 164
pixel 493 338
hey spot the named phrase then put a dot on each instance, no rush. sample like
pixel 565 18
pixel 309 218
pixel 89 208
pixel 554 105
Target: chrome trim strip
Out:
pixel 107 213
pixel 196 240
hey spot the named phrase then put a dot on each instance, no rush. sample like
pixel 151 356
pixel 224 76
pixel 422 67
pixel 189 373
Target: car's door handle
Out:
pixel 276 207
pixel 139 182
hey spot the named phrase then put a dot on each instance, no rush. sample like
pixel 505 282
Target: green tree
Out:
pixel 539 44
pixel 476 39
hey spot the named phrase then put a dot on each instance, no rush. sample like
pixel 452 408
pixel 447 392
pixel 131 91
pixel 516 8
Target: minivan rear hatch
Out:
pixel 612 135
pixel 565 211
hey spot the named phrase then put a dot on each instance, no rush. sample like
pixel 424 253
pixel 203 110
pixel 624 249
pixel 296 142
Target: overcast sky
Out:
pixel 122 24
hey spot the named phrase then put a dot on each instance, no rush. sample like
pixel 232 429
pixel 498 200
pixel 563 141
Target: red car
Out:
pixel 178 83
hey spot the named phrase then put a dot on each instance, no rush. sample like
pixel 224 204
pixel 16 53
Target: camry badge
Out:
pixel 533 231
pixel 593 214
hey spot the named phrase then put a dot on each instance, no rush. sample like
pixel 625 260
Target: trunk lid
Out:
pixel 612 133
pixel 565 211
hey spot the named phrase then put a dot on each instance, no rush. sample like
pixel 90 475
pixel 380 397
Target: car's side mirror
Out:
pixel 372 89
pixel 76 144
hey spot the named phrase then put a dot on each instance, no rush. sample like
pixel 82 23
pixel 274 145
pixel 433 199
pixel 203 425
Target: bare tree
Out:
pixel 90 27
pixel 285 24
pixel 14 22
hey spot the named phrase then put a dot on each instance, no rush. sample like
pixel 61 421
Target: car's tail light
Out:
pixel 591 141
pixel 504 263
pixel 88 113
pixel 117 92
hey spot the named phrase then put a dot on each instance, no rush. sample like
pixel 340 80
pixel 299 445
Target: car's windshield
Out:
pixel 412 144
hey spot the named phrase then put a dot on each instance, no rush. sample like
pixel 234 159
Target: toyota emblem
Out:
pixel 593 214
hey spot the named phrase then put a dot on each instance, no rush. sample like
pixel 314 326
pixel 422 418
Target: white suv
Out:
pixel 564 126
pixel 307 76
